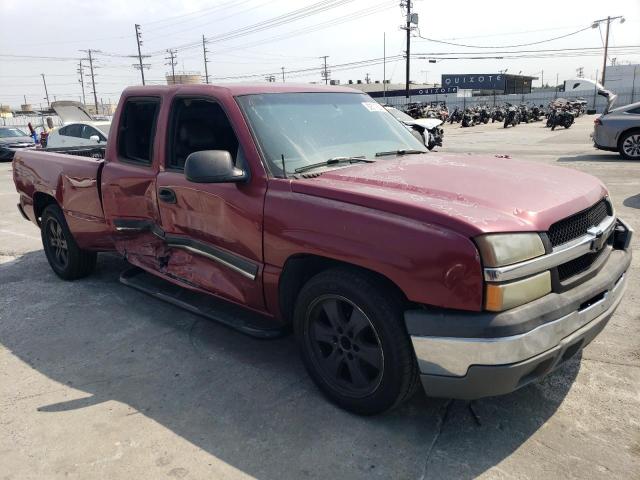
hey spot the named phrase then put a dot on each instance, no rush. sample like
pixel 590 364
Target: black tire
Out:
pixel 629 145
pixel 330 307
pixel 553 127
pixel 66 259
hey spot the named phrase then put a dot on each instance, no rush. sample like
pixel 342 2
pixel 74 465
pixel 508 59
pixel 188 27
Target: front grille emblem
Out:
pixel 599 239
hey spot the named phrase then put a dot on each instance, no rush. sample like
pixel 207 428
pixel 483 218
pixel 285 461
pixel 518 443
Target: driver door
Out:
pixel 213 231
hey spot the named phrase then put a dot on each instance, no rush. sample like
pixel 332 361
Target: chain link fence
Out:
pixel 594 101
pixel 21 121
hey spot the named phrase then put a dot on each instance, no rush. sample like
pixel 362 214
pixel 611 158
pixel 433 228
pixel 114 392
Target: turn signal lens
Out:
pixel 503 296
pixel 498 250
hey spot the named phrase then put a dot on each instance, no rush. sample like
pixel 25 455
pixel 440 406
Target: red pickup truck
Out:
pixel 270 206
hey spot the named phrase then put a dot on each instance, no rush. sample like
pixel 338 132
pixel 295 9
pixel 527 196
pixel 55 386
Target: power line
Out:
pixel 270 23
pixel 505 46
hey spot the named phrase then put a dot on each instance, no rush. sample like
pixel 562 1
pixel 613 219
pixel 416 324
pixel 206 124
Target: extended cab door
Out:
pixel 129 181
pixel 213 230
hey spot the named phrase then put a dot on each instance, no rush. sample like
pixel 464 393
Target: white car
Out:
pixel 79 134
pixel 79 128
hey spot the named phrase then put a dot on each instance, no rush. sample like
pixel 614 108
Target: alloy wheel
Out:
pixel 57 243
pixel 631 145
pixel 344 346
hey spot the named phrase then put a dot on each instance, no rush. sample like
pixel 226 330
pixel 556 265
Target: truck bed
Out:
pixel 73 182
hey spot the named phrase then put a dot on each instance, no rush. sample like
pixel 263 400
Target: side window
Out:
pixel 88 131
pixel 199 124
pixel 74 130
pixel 634 110
pixel 137 129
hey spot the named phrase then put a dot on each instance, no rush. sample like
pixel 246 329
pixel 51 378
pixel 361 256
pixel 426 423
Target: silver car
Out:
pixel 619 131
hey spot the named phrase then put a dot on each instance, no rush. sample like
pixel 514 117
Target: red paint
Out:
pixel 410 219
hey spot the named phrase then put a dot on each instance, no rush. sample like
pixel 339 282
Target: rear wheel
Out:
pixel 353 341
pixel 66 259
pixel 629 145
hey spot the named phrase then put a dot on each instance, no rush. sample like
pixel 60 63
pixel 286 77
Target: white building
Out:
pixel 620 78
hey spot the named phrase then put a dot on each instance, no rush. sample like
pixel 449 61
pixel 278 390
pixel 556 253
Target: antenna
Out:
pixel 284 170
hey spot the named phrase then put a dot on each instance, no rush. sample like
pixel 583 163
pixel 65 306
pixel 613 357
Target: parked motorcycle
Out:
pixel 564 117
pixel 497 115
pixel 455 116
pixel 467 118
pixel 484 115
pixel 512 116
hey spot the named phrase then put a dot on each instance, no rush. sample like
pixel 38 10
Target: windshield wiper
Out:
pixel 333 161
pixel 399 152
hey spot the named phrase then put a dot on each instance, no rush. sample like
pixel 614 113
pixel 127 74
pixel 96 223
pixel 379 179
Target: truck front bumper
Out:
pixel 470 355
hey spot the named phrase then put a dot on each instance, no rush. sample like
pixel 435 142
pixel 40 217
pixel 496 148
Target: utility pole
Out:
pixel 93 77
pixel 204 52
pixel 81 80
pixel 384 66
pixel 45 89
pixel 325 72
pixel 408 66
pixel 596 24
pixel 542 81
pixel 282 68
pixel 606 49
pixel 367 78
pixel 173 62
pixel 139 42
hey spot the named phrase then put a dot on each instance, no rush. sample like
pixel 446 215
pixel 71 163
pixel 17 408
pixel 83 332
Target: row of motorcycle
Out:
pixel 557 113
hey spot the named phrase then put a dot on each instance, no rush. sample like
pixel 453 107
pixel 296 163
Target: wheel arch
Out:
pixel 41 201
pixel 626 131
pixel 300 268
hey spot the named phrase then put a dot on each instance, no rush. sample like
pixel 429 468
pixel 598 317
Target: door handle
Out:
pixel 167 195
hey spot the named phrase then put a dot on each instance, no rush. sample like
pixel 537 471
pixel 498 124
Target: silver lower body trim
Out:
pixel 453 356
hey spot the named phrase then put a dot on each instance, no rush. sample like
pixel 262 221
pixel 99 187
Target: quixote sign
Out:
pixel 489 81
pixel 416 91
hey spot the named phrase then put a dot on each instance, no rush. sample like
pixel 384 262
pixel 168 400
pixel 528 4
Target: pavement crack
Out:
pixel 441 421
pixel 610 363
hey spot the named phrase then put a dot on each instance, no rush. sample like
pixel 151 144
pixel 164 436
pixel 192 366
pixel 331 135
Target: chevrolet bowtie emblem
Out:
pixel 598 238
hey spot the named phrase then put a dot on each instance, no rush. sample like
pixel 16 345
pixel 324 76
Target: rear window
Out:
pixel 137 130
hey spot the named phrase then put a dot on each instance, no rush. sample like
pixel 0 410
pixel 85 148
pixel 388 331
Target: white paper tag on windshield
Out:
pixel 373 106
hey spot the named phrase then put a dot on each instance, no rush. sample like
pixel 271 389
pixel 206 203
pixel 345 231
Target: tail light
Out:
pixel 597 121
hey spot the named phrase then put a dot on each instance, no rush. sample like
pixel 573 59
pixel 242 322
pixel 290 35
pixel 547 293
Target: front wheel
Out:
pixel 353 342
pixel 65 257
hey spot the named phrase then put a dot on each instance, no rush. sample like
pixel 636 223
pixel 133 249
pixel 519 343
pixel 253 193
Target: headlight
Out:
pixel 503 296
pixel 498 250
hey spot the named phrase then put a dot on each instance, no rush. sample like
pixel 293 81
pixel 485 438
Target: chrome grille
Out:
pixel 577 225
pixel 578 265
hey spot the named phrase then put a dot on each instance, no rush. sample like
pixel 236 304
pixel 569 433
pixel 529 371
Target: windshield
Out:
pixel 12 132
pixel 403 117
pixel 309 128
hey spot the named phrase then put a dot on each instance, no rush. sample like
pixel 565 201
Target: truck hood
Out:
pixel 428 123
pixel 469 194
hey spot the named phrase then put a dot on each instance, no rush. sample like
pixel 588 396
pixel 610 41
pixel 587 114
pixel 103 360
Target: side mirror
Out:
pixel 94 138
pixel 212 166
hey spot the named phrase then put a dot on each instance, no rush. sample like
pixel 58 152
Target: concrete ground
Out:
pixel 100 381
